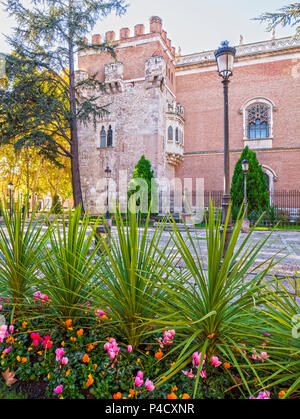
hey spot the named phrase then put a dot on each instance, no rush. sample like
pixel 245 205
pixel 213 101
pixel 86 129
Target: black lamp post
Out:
pixel 108 176
pixel 10 187
pixel 225 60
pixel 245 167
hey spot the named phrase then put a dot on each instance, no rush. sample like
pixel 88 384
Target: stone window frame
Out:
pixel 272 179
pixel 170 134
pixel 106 125
pixel 176 126
pixel 272 109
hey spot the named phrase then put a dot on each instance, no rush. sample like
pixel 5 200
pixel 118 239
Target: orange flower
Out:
pixel 91 346
pixel 18 358
pixel 95 366
pixel 24 360
pixel 68 373
pixel 174 388
pixel 80 332
pixel 172 364
pixel 159 355
pixel 185 396
pixel 227 365
pixel 172 396
pixel 281 394
pixel 69 322
pixel 132 393
pixel 117 396
pixel 86 358
pixel 73 339
pixel 24 325
pixel 62 343
pixel 29 349
pixel 90 381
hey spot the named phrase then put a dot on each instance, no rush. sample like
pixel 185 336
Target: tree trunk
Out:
pixel 76 182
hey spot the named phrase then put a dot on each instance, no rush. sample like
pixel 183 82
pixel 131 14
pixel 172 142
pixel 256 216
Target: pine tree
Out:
pixel 286 16
pixel 48 36
pixel 257 188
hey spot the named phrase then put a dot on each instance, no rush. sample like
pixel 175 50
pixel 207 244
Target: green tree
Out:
pixel 46 102
pixel 257 188
pixel 286 16
pixel 143 170
pixel 56 205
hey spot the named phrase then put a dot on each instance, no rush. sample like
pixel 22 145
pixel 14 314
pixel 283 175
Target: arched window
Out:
pixel 258 121
pixel 177 135
pixel 170 133
pixel 110 137
pixel 103 138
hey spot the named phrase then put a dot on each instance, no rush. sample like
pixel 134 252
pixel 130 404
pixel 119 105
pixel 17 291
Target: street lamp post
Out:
pixel 245 167
pixel 108 176
pixel 10 187
pixel 225 60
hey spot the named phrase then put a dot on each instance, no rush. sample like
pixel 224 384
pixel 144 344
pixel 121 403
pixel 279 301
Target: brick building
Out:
pixel 170 108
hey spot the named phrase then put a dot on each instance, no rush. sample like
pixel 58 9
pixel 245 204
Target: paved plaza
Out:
pixel 283 243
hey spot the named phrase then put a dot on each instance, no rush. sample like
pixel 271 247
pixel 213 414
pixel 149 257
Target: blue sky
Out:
pixel 193 25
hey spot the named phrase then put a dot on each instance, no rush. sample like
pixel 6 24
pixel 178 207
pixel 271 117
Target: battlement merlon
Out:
pixel 139 37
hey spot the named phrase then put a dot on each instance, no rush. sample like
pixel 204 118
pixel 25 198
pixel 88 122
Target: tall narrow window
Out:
pixel 170 133
pixel 177 135
pixel 110 137
pixel 103 138
pixel 258 121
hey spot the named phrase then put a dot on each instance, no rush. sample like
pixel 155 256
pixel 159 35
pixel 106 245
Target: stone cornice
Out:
pixel 272 47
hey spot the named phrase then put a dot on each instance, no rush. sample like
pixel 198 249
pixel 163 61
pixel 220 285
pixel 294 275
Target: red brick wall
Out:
pixel 201 95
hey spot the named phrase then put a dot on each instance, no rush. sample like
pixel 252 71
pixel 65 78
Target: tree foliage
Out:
pixel 257 188
pixel 286 16
pixel 41 107
pixel 143 170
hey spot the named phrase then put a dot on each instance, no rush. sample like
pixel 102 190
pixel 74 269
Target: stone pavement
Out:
pixel 283 243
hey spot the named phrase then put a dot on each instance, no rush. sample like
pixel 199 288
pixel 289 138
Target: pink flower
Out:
pixel 140 375
pixel 11 329
pixel 59 353
pixel 7 351
pixel 36 339
pixel 149 385
pixel 215 361
pixel 112 348
pixel 1 307
pixel 129 348
pixel 138 381
pixel 100 313
pixel 203 374
pixel 263 395
pixel 188 373
pixel 169 336
pixel 64 360
pixel 3 332
pixel 47 344
pixel 197 357
pixel 263 357
pixel 58 389
pixel 255 357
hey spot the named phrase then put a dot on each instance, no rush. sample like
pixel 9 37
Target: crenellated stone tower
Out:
pixel 143 114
